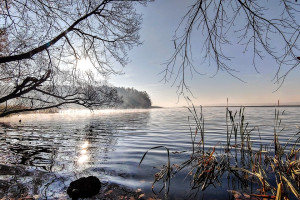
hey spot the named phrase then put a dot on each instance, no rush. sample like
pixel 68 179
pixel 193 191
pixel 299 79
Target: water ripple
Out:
pixel 53 144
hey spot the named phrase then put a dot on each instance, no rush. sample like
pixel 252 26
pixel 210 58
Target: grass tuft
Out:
pixel 274 168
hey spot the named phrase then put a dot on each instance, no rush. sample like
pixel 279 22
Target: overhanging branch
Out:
pixel 45 46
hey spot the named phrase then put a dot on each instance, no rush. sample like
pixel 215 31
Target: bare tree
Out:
pixel 41 42
pixel 217 24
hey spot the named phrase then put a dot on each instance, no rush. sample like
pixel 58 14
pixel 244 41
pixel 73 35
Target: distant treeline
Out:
pixel 132 98
pixel 128 98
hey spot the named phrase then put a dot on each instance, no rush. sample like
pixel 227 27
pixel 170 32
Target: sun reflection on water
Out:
pixel 85 145
pixel 83 158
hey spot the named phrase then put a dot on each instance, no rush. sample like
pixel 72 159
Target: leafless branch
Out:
pixel 216 25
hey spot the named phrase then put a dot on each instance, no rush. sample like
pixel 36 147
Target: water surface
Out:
pixel 43 153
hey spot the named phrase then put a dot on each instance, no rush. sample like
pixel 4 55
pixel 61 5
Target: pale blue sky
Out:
pixel 161 18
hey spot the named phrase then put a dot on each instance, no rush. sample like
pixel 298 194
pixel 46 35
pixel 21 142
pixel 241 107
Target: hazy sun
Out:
pixel 85 65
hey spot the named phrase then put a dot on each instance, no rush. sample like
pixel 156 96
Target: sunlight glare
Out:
pixel 85 65
pixel 85 145
pixel 83 151
pixel 82 159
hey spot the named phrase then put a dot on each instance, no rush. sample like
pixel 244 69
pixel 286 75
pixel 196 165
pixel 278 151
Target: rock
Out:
pixel 84 187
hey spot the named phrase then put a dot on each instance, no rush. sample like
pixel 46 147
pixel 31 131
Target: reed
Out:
pixel 274 169
pixel 199 121
pixel 164 173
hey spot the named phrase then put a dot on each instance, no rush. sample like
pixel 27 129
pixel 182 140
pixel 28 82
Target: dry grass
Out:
pixel 239 160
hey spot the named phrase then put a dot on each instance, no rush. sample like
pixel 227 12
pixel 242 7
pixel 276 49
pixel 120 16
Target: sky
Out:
pixel 160 20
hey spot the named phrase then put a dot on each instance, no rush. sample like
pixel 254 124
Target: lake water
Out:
pixel 43 153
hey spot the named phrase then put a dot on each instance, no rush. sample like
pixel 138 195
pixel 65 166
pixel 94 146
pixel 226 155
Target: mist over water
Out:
pixel 43 153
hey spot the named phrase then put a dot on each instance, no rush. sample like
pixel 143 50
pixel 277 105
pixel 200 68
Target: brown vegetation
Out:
pixel 273 168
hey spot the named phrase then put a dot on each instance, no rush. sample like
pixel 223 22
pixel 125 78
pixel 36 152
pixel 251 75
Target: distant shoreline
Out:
pixel 258 106
pixel 155 107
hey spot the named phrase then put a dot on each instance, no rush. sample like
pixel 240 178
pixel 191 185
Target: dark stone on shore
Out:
pixel 84 187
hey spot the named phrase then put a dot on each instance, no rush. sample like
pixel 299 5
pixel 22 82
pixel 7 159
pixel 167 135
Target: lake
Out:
pixel 43 153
